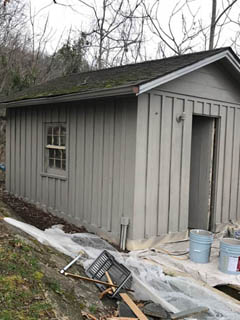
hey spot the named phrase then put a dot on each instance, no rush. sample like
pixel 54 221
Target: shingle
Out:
pixel 127 75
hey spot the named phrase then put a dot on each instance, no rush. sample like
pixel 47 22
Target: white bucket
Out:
pixel 229 261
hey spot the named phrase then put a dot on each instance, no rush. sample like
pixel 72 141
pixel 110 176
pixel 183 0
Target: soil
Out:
pixel 30 214
pixel 38 218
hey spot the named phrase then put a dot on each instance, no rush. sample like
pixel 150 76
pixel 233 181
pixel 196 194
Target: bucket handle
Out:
pixel 196 250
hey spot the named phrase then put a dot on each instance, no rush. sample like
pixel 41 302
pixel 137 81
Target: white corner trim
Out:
pixel 233 61
pixel 181 72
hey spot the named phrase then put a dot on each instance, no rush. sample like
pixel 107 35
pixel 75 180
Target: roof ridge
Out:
pixel 148 61
pixel 117 77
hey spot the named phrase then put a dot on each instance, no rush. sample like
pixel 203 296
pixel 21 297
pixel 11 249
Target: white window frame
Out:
pixel 47 147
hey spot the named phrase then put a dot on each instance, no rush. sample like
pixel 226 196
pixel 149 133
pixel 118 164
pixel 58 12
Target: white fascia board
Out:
pixel 233 61
pixel 181 72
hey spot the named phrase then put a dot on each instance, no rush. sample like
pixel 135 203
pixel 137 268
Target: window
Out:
pixel 56 147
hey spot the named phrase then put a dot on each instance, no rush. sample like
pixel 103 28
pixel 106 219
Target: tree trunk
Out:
pixel 213 24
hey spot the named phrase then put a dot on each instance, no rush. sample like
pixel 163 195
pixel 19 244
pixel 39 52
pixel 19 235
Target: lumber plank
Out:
pixel 121 318
pixel 93 280
pixel 133 306
pixel 102 294
pixel 89 315
pixel 110 280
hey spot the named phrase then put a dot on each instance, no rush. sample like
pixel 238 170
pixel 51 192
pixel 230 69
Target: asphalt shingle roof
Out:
pixel 128 75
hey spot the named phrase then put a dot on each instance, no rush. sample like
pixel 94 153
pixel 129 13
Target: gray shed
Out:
pixel 157 142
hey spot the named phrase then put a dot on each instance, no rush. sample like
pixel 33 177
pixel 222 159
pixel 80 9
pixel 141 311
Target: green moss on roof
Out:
pixel 128 75
pixel 68 90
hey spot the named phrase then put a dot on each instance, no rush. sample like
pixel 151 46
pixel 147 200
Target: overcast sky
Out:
pixel 63 18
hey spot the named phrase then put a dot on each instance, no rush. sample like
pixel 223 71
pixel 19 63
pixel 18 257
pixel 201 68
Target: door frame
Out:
pixel 216 143
pixel 214 168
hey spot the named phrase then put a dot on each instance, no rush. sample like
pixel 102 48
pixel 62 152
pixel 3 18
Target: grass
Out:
pixel 31 287
pixel 22 286
pixel 55 286
pixel 93 308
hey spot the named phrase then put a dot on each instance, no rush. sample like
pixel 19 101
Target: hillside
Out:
pixel 31 286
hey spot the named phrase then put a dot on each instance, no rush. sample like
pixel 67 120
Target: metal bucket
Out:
pixel 200 245
pixel 229 261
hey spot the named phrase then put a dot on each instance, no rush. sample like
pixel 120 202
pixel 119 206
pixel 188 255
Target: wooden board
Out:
pixel 121 318
pixel 153 166
pixel 141 166
pixel 164 169
pixel 175 167
pixel 133 306
pixel 185 168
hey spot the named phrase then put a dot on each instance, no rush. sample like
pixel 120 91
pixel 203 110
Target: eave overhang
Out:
pixel 101 93
pixel 131 89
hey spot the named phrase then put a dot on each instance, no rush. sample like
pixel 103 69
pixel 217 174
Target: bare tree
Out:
pixel 171 40
pixel 193 31
pixel 116 31
pixel 12 25
pixel 215 19
pixel 116 28
pixel 23 57
pixel 213 24
pixel 39 36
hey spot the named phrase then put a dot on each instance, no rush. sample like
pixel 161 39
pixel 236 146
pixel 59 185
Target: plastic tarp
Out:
pixel 207 272
pixel 149 282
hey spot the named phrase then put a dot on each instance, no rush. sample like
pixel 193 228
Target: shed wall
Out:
pixel 98 186
pixel 163 153
pixel 212 82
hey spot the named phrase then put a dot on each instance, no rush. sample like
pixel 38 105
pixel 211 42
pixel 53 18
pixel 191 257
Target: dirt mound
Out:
pixel 37 217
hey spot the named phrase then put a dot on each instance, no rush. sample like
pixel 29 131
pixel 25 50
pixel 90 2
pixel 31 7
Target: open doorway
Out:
pixel 202 173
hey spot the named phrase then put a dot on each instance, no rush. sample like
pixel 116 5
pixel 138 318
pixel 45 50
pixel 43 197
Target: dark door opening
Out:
pixel 202 172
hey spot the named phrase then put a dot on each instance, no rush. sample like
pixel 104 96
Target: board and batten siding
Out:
pixel 163 154
pixel 98 186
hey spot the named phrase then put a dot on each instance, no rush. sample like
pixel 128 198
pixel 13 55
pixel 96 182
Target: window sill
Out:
pixel 54 176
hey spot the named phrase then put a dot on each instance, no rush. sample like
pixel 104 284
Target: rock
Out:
pixel 125 311
pixel 155 310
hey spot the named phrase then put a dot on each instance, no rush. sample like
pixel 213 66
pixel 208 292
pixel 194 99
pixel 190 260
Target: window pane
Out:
pixel 50 131
pixel 55 140
pixel 63 154
pixel 63 140
pixel 51 163
pixel 63 131
pixel 49 140
pixel 58 164
pixel 51 153
pixel 58 154
pixel 63 164
pixel 56 131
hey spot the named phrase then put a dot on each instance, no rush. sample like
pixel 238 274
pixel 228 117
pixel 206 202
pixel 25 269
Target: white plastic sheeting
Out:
pixel 207 272
pixel 149 281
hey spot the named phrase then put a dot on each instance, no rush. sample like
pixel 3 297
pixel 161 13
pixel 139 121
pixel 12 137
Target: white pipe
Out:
pixel 123 233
